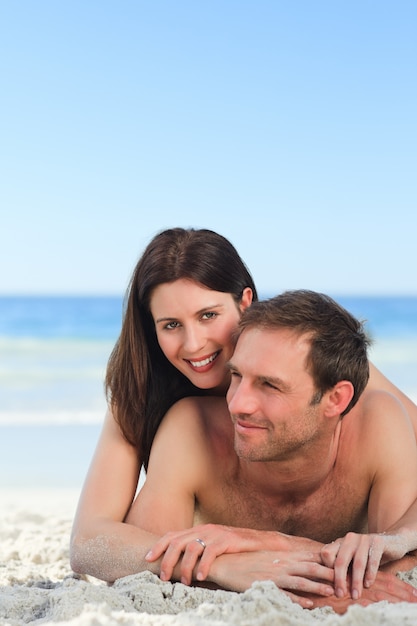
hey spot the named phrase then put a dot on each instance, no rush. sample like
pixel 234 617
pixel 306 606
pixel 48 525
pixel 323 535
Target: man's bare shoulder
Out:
pixel 378 424
pixel 379 408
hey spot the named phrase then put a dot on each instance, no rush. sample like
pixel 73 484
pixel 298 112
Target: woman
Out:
pixel 183 305
pixel 201 272
pixel 141 382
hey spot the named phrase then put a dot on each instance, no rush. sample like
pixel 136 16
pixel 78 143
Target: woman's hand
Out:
pixel 365 553
pixel 201 545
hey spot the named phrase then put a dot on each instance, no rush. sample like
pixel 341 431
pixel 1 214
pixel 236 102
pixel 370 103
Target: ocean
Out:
pixel 53 355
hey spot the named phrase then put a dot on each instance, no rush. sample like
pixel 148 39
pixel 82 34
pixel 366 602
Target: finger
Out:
pixel 170 559
pixel 341 565
pixel 207 559
pixel 389 587
pixel 305 603
pixel 329 552
pixel 359 567
pixel 157 549
pixel 192 553
pixel 403 590
pixel 374 560
pixel 305 585
pixel 304 576
pixel 180 537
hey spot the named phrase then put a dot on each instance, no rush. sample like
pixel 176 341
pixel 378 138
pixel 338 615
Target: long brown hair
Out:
pixel 141 384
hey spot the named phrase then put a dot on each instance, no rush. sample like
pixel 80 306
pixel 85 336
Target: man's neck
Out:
pixel 298 475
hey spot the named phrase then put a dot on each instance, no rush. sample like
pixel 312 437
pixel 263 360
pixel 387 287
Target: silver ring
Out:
pixel 201 542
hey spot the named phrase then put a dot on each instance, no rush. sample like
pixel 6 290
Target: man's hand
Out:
pixel 298 574
pixel 386 587
pixel 365 553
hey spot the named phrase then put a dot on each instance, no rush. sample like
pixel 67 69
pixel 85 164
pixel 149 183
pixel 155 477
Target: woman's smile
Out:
pixel 204 363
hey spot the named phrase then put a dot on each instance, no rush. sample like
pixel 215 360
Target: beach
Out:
pixel 52 361
pixel 37 585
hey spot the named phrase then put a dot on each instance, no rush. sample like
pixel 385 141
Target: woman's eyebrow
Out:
pixel 164 319
pixel 209 307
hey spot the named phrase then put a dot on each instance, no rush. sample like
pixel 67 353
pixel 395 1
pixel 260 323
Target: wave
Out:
pixel 50 418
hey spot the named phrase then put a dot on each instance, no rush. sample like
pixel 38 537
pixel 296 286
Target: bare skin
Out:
pixel 192 323
pixel 247 567
pixel 361 464
pixel 102 543
pixel 379 382
pixel 228 492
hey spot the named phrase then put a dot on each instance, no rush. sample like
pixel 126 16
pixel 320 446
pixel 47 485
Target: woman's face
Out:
pixel 194 327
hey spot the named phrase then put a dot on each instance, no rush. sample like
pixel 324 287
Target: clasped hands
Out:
pixel 298 566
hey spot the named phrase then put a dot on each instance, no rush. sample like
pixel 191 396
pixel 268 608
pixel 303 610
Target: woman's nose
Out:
pixel 194 340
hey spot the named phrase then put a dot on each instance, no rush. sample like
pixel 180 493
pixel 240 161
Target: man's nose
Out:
pixel 241 399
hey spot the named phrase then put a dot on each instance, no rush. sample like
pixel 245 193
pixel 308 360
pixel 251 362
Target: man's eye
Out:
pixel 271 386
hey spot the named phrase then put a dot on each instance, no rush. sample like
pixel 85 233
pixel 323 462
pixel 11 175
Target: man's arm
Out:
pixel 387 438
pixel 387 451
pixel 288 570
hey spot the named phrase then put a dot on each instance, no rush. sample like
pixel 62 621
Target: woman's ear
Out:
pixel 338 398
pixel 246 299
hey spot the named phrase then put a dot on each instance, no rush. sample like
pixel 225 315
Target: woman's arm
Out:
pixel 102 545
pixel 110 536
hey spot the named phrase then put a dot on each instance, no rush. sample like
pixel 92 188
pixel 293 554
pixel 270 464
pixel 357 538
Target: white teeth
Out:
pixel 204 361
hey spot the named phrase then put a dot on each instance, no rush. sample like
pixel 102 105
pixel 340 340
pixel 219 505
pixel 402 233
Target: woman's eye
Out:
pixel 171 325
pixel 209 315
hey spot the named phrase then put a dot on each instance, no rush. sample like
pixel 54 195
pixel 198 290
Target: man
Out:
pixel 304 453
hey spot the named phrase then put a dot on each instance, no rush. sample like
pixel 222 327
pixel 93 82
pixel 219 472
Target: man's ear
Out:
pixel 246 299
pixel 338 398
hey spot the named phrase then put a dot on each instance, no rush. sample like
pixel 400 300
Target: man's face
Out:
pixel 270 396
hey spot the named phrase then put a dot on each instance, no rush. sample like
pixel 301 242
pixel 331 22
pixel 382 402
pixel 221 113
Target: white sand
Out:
pixel 38 587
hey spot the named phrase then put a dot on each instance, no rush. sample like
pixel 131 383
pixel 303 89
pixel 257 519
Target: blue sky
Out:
pixel 289 127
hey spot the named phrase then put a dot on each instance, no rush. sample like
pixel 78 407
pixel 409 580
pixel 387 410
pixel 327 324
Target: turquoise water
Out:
pixel 53 355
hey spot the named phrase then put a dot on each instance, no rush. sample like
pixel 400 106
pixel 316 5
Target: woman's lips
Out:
pixel 204 363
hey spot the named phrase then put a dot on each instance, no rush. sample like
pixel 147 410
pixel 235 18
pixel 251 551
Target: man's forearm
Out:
pixel 294 542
